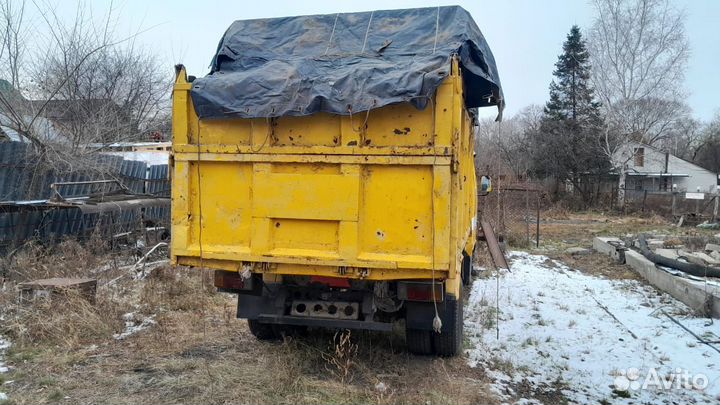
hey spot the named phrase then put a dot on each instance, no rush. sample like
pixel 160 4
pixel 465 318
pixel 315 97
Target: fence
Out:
pixel 26 215
pixel 669 203
pixel 513 210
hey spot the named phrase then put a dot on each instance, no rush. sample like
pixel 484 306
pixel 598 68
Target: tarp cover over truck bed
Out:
pixel 344 63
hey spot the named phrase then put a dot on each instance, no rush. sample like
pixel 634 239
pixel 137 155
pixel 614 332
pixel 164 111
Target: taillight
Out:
pixel 420 291
pixel 229 280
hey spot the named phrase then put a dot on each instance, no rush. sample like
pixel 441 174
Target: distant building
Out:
pixel 650 169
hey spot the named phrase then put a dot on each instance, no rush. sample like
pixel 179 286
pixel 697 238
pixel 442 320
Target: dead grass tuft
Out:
pixel 341 356
pixel 67 321
pixel 178 289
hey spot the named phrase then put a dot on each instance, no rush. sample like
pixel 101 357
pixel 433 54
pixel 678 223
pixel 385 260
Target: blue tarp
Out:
pixel 345 63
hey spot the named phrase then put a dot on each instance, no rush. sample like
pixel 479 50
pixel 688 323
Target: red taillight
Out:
pixel 420 291
pixel 335 282
pixel 228 280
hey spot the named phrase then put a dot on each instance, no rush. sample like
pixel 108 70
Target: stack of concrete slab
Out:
pixel 613 247
pixel 701 296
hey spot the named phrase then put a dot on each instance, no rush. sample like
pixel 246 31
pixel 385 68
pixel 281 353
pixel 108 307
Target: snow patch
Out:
pixel 564 330
pixel 134 323
pixel 4 345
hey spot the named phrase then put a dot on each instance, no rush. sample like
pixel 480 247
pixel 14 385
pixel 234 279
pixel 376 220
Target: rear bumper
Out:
pixel 270 305
pixel 325 323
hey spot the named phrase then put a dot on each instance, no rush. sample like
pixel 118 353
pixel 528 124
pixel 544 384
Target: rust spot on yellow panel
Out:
pixel 225 198
pixel 319 129
pixel 396 210
pixel 400 125
pixel 306 168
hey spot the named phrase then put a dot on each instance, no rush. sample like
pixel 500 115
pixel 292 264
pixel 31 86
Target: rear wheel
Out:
pixel 449 342
pixel 262 331
pixel 418 341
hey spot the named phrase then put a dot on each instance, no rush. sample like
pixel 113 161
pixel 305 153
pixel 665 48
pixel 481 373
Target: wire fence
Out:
pixel 702 206
pixel 514 212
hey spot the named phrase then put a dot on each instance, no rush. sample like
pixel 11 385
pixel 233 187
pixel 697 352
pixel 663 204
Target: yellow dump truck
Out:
pixel 324 170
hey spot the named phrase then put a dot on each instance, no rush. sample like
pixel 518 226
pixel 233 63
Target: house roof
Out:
pixel 675 156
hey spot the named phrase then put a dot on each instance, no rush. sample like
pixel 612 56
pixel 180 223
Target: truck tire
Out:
pixel 449 342
pixel 418 341
pixel 262 331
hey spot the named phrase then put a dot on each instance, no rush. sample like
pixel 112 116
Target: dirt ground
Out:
pixel 560 232
pixel 193 350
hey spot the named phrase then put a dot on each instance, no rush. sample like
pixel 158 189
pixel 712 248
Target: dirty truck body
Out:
pixel 323 219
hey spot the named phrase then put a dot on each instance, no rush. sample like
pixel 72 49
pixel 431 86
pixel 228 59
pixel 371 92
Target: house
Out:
pixel 61 120
pixel 650 169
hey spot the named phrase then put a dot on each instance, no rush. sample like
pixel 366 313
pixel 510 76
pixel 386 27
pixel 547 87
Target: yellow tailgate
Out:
pixel 382 195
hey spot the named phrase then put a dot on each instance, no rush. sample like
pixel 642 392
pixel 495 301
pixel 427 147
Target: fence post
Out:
pixel 674 197
pixel 537 221
pixel 717 202
pixel 644 199
pixel 527 217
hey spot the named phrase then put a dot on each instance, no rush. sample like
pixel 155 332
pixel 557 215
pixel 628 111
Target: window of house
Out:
pixel 639 157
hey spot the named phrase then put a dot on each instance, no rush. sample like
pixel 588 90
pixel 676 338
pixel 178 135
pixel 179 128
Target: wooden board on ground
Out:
pixel 49 287
pixel 493 246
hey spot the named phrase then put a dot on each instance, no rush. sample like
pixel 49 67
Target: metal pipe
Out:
pixel 689 268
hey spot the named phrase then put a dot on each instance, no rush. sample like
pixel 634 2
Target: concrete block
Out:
pixel 577 251
pixel 712 247
pixel 52 287
pixel 694 294
pixel 610 246
pixel 669 253
pixel 655 243
pixel 639 263
pixel 700 258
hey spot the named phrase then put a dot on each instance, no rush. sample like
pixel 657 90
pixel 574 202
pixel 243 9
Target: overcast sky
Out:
pixel 525 35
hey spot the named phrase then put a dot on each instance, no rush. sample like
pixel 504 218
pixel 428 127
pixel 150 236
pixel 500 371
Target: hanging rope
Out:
pixel 367 32
pixel 437 28
pixel 332 34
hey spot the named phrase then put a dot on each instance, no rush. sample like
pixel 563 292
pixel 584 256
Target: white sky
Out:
pixel 525 35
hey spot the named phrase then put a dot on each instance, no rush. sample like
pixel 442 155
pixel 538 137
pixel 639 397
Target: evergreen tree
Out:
pixel 571 94
pixel 567 146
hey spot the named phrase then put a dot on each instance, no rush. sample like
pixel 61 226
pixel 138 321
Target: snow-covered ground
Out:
pixel 590 339
pixel 4 345
pixel 134 323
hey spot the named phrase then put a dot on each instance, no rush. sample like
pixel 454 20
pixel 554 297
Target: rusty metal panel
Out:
pixel 493 246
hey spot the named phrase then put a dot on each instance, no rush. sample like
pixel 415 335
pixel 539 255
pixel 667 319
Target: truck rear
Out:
pixel 328 179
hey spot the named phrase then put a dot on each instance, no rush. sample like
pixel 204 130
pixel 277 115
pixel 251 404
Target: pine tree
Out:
pixel 571 94
pixel 567 147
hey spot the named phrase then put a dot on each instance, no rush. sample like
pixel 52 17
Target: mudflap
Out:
pixel 418 324
pixel 419 315
pixel 466 269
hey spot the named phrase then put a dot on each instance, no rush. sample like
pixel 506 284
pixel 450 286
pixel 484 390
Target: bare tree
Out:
pixel 707 152
pixel 684 138
pixel 639 54
pixel 13 35
pixel 504 146
pixel 89 86
pixel 77 86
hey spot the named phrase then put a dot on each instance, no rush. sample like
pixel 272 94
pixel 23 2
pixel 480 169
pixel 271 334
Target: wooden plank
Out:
pixel 493 246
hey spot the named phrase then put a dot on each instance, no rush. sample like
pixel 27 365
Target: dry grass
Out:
pixel 65 321
pixel 197 351
pixel 599 265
